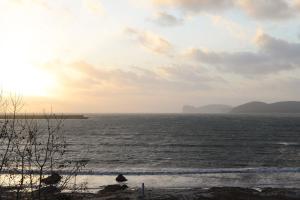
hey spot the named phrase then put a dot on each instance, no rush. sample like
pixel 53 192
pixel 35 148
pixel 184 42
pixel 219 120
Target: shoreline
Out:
pixel 214 193
pixel 190 181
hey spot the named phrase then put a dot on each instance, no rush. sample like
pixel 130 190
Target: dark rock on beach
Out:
pixel 281 193
pixel 236 193
pixel 224 193
pixel 64 197
pixel 120 178
pixel 119 192
pixel 49 190
pixel 113 188
pixel 230 193
pixel 54 178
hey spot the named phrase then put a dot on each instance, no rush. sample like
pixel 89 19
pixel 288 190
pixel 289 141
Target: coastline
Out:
pixel 250 186
pixel 185 181
pixel 214 193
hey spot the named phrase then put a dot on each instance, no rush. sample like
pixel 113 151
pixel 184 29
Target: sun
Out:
pixel 26 43
pixel 21 50
pixel 21 77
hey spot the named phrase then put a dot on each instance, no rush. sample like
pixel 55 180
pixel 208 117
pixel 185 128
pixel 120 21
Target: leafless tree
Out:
pixel 32 149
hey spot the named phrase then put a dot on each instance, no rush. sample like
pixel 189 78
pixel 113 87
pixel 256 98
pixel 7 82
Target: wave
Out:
pixel 183 171
pixel 288 143
pixel 178 171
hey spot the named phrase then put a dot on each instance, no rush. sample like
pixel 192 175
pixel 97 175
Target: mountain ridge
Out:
pixel 253 107
pixel 262 107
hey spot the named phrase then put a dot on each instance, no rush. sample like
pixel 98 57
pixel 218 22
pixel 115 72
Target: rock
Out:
pixel 49 190
pixel 113 188
pixel 119 198
pixel 282 193
pixel 233 193
pixel 51 180
pixel 63 197
pixel 120 178
pixel 237 193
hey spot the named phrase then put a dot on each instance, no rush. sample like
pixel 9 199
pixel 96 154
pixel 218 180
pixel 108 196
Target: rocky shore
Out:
pixel 115 192
pixel 121 191
pixel 216 193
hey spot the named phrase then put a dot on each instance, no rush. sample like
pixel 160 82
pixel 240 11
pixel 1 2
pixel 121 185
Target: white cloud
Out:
pixel 166 19
pixel 234 28
pixel 196 5
pixel 150 41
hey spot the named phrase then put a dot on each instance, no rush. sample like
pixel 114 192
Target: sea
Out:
pixel 186 151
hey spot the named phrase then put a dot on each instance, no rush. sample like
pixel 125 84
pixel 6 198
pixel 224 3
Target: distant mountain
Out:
pixel 213 108
pixel 261 107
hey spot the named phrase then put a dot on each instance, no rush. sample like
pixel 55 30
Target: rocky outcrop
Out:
pixel 261 107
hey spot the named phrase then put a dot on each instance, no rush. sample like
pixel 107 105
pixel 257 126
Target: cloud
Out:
pixel 234 28
pixel 166 19
pixel 78 78
pixel 258 9
pixel 297 4
pixel 41 3
pixel 196 5
pixel 267 9
pixel 244 63
pixel 94 6
pixel 273 55
pixel 279 49
pixel 95 88
pixel 150 41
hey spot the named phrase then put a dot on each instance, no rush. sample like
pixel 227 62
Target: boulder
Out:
pixel 233 193
pixel 120 178
pixel 113 188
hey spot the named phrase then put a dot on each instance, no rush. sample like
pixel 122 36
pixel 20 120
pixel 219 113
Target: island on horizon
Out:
pixel 254 107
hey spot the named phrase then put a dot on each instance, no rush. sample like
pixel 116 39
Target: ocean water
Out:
pixel 200 150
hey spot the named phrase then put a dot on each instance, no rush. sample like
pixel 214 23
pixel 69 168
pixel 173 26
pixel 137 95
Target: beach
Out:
pixel 207 186
pixel 215 193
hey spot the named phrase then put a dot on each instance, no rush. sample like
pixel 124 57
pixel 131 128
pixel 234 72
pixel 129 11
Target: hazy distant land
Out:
pixel 42 116
pixel 250 108
pixel 213 108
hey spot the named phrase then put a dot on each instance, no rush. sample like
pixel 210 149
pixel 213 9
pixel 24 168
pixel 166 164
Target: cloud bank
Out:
pixel 274 55
pixel 83 77
pixel 258 9
pixel 150 40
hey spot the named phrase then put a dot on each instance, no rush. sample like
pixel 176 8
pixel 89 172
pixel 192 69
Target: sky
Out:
pixel 148 56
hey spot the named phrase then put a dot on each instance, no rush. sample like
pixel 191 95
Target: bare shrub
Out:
pixel 32 149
